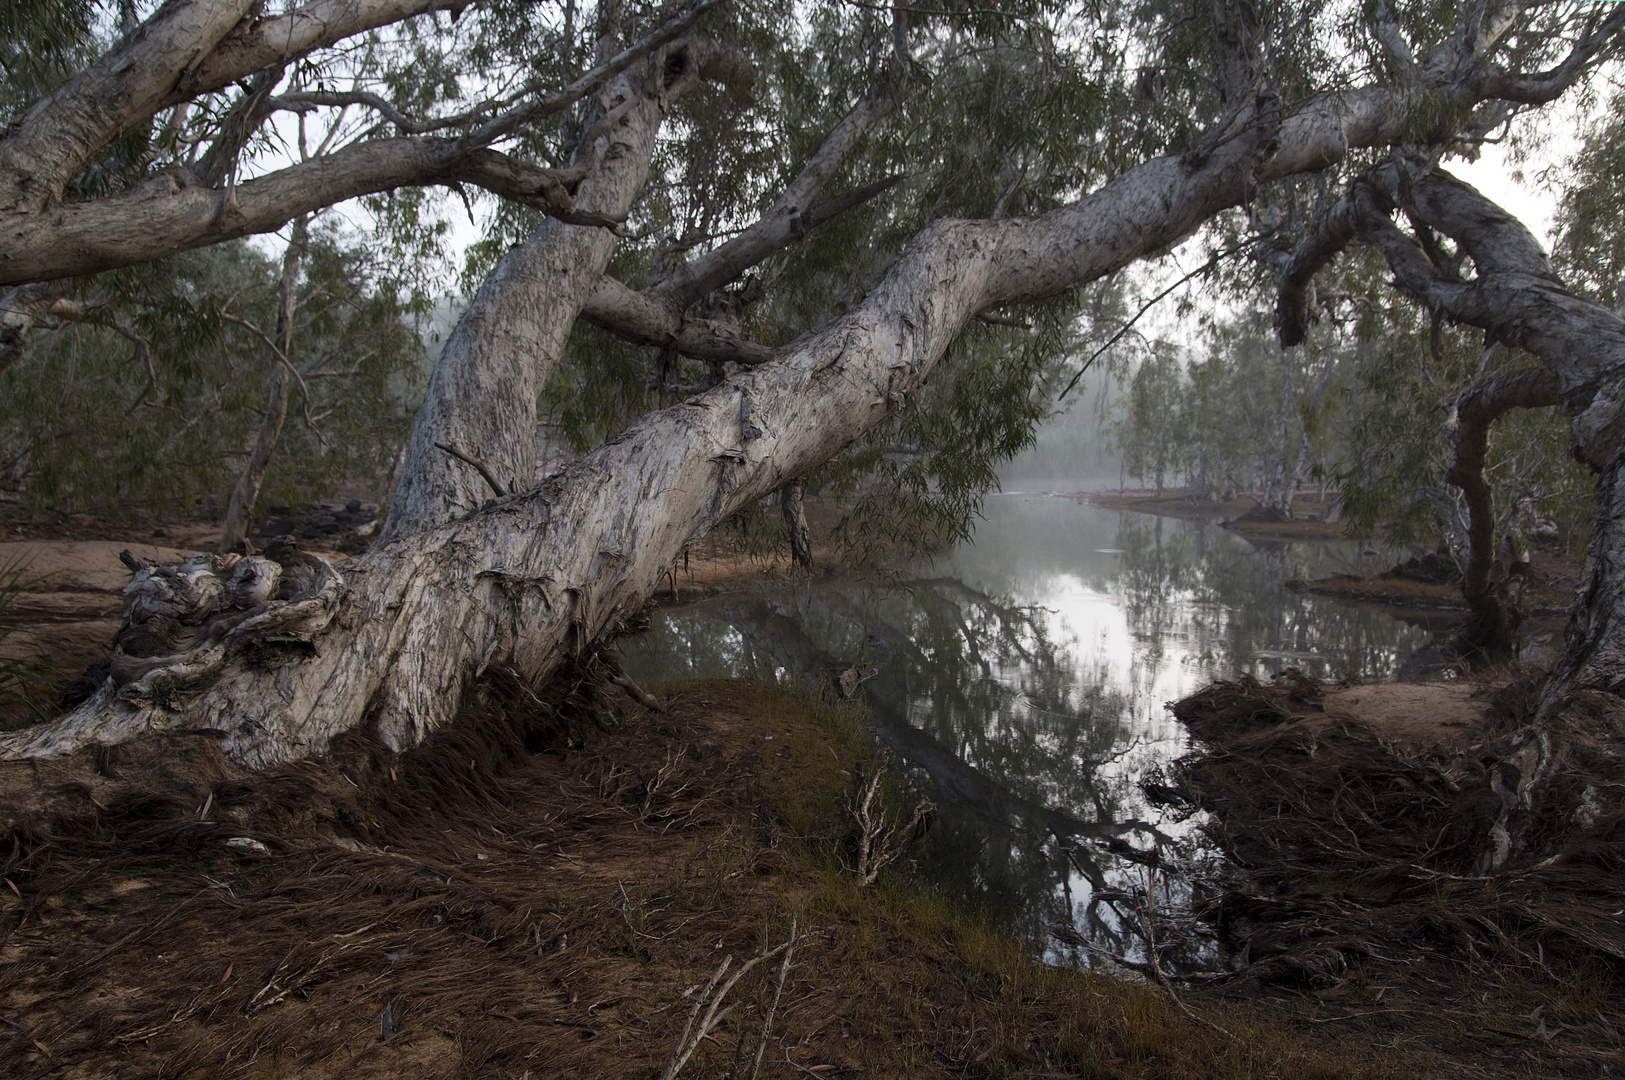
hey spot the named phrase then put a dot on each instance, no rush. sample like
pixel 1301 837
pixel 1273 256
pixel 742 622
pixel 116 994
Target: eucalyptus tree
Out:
pixel 483 567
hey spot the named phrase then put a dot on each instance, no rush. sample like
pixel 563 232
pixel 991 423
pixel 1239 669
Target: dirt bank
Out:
pixel 1308 521
pixel 534 895
pixel 1552 581
pixel 1358 818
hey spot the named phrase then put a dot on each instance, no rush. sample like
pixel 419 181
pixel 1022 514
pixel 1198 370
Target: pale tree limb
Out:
pixel 482 391
pixel 60 136
pixel 538 576
pixel 176 211
pixel 1517 300
pixel 173 211
pixel 773 1006
pixel 25 305
pixel 657 315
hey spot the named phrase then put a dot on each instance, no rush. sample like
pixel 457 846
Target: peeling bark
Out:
pixel 482 392
pixel 792 505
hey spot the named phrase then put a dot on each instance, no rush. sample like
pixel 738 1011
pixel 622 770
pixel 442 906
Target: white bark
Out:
pixel 481 397
pixel 190 47
pixel 482 394
pixel 519 583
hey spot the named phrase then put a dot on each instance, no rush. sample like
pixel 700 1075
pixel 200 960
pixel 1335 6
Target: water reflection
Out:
pixel 1023 678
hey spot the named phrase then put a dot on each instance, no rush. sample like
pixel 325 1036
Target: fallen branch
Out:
pixel 710 1000
pixel 875 833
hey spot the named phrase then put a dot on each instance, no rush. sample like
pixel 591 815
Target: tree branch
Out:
pixel 1478 407
pixel 1493 81
pixel 173 212
pixel 62 134
pixel 253 46
pixel 655 316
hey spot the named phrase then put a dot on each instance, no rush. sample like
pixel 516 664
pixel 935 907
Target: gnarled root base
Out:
pixel 1356 846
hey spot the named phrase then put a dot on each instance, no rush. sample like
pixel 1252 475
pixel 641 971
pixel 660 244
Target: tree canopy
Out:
pixel 732 246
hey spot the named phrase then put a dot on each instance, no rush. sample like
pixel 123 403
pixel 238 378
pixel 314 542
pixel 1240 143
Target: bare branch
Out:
pixel 256 45
pixel 480 466
pixel 781 224
pixel 656 316
pixel 1542 87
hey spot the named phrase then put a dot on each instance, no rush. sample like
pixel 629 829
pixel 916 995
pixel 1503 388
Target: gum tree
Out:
pixel 483 568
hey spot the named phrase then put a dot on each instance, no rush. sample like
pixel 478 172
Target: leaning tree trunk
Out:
pixel 1494 608
pixel 277 659
pixel 246 492
pixel 480 405
pixel 1517 299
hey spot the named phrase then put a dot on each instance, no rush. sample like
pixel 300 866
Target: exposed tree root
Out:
pixel 1351 846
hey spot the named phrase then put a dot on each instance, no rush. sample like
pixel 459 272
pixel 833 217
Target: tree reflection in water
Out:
pixel 1023 680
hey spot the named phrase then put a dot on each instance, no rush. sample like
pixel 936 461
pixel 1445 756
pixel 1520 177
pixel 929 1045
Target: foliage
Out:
pixel 153 399
pixel 1012 108
pixel 1590 248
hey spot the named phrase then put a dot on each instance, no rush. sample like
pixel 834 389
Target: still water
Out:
pixel 1021 681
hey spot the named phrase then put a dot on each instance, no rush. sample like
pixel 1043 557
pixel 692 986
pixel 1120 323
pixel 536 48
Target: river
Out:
pixel 1022 681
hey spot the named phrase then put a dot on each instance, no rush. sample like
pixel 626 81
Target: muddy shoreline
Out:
pixel 1240 515
pixel 542 889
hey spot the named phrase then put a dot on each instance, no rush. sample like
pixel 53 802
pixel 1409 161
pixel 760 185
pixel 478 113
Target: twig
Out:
pixel 1151 303
pixel 477 463
pixel 778 989
pixel 710 1000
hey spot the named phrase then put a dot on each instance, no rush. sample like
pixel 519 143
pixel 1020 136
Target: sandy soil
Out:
pixel 1441 714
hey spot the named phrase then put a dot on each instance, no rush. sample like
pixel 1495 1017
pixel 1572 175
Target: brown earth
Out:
pixel 1308 521
pixel 67 609
pixel 1553 579
pixel 1357 820
pixel 542 909
pixel 532 895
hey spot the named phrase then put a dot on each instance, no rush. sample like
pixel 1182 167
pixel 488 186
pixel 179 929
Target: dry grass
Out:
pixel 531 895
pixel 1360 902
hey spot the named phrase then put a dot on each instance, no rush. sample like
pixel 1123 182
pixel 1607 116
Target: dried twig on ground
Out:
pixel 772 1008
pixel 876 840
pixel 710 1001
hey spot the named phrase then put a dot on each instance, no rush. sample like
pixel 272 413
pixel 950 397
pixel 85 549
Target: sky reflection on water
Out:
pixel 1024 677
